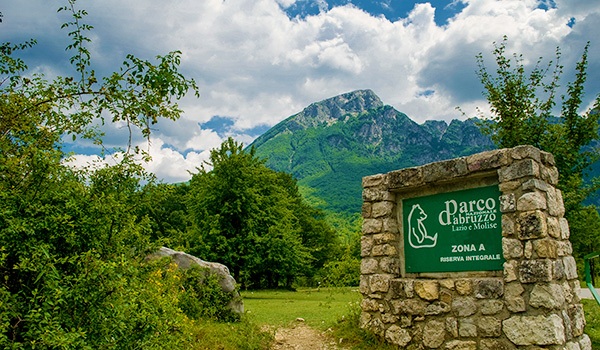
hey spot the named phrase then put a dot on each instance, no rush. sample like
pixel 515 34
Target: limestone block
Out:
pixel 371 226
pixel 461 345
pixel 409 288
pixel 513 299
pixel 373 180
pixel 366 245
pixel 488 288
pixel 528 251
pixel 495 344
pixel 511 268
pixel 576 290
pixel 464 286
pixel 508 226
pixel 437 308
pixel 524 152
pixel 568 291
pixel 585 342
pixel 546 248
pixel 558 269
pixel 547 158
pixel 398 336
pixel 451 325
pixel 364 285
pixel 389 318
pixel 397 289
pixel 434 334
pixel 464 306
pixel 535 330
pixel 547 295
pixel 467 328
pixel 549 174
pixel 405 178
pixel 383 238
pixel 567 323
pixel 365 320
pixel 564 248
pixel 535 184
pixel 390 265
pixel 376 195
pixel 512 248
pixel 447 283
pixel 510 186
pixel 532 201
pixel 390 225
pixel 446 296
pixel 519 169
pixel 531 225
pixel 384 250
pixel 491 307
pixel 444 170
pixel 572 346
pixel 539 270
pixel 377 326
pixel 384 208
pixel 411 307
pixel 553 227
pixel 379 283
pixel 369 266
pixel 564 228
pixel 577 319
pixel 369 305
pixel 507 203
pixel 489 327
pixel 570 267
pixel 427 289
pixel 366 210
pixel 556 206
pixel 487 160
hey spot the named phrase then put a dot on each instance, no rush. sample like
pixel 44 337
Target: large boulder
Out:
pixel 226 281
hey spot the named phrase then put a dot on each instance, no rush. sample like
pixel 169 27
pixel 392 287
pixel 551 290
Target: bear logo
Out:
pixel 417 232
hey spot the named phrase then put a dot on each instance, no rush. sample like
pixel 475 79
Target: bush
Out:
pixel 203 297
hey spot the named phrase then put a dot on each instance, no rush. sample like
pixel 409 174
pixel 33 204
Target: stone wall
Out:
pixel 532 304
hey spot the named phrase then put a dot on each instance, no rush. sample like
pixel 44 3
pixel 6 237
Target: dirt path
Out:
pixel 299 336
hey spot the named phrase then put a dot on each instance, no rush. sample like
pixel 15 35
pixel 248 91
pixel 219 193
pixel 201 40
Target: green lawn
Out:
pixel 592 317
pixel 320 308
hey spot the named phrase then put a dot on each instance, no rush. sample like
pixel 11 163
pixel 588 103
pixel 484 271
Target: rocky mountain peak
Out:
pixel 335 109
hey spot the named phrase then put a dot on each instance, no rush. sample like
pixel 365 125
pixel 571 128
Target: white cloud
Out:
pixel 256 66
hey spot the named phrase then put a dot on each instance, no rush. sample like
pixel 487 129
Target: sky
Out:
pixel 258 62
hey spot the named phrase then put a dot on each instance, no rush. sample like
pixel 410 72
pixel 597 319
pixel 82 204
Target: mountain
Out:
pixel 332 144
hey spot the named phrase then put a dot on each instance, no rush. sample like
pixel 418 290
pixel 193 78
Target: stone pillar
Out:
pixel 532 301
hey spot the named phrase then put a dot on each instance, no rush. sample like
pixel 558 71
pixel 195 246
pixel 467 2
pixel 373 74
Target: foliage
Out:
pixel 73 242
pixel 522 105
pixel 253 220
pixel 592 319
pixel 202 296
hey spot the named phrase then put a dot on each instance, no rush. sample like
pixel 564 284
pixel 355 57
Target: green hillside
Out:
pixel 332 144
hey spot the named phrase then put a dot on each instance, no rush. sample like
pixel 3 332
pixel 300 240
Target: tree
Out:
pixel 522 107
pixel 253 220
pixel 72 245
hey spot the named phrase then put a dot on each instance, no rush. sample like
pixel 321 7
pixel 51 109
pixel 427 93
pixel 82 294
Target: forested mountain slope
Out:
pixel 332 144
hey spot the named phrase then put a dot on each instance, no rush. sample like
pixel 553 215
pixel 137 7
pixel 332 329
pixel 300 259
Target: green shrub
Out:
pixel 202 296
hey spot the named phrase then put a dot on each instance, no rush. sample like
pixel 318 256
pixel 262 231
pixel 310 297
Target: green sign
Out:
pixel 453 231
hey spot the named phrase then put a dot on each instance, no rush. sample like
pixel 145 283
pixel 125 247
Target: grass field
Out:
pixel 592 317
pixel 320 308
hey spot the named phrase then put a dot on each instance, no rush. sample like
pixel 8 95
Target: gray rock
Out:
pixel 226 281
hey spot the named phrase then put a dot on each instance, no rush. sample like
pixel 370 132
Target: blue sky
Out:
pixel 259 61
